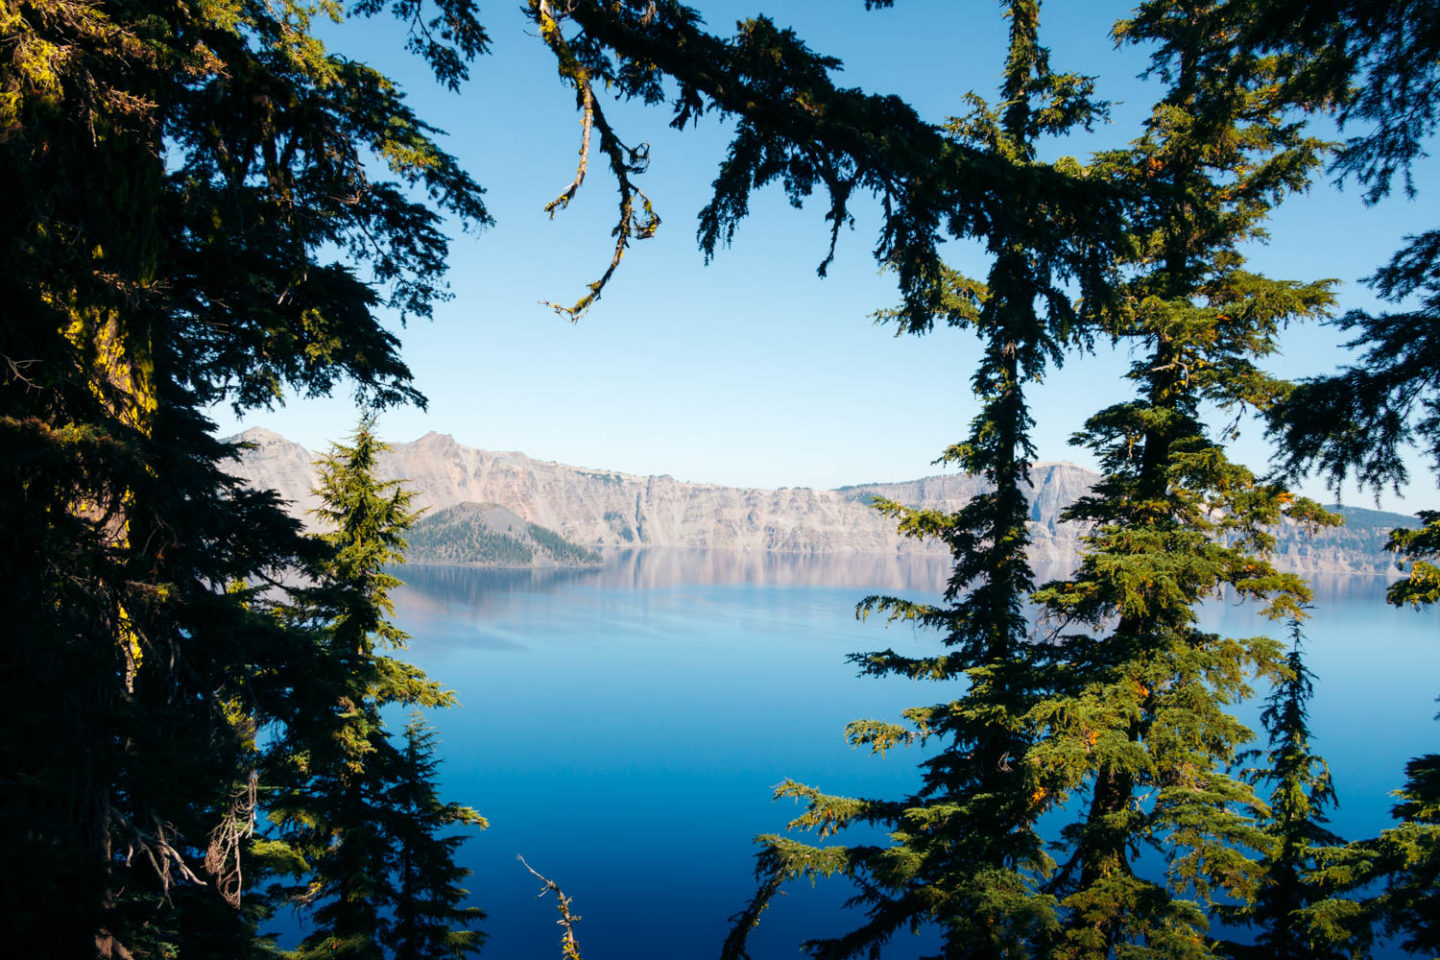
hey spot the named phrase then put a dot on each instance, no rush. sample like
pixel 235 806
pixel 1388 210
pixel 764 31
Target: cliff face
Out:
pixel 604 509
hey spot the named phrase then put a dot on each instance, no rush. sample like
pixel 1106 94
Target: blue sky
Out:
pixel 751 370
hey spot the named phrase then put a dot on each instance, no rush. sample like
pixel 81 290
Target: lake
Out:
pixel 622 728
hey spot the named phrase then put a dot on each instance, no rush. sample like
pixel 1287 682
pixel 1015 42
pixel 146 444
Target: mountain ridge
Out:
pixel 609 509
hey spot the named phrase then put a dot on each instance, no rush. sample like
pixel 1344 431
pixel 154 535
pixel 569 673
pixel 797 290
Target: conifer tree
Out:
pixel 1376 66
pixel 1137 726
pixel 1293 916
pixel 428 921
pixel 177 178
pixel 336 773
pixel 966 856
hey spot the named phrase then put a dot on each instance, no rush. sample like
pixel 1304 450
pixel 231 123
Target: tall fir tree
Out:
pixel 178 177
pixel 1137 727
pixel 965 854
pixel 1376 68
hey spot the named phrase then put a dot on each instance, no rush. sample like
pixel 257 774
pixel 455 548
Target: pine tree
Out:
pixel 333 770
pixel 965 854
pixel 428 921
pixel 1137 725
pixel 1300 790
pixel 177 177
pixel 1377 66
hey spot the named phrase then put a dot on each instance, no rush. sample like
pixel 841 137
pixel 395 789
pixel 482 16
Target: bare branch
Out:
pixel 222 858
pixel 587 122
pixel 569 948
pixel 165 860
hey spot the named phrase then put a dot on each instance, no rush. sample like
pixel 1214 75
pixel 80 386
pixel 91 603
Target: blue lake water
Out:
pixel 623 729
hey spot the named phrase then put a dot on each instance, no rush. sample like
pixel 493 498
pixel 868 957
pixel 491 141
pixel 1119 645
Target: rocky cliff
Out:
pixel 607 509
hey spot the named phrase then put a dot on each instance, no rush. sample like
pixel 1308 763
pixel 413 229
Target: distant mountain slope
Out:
pixel 487 534
pixel 597 509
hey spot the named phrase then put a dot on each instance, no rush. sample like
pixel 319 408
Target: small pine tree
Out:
pixel 1377 63
pixel 335 765
pixel 1301 790
pixel 428 921
pixel 1410 906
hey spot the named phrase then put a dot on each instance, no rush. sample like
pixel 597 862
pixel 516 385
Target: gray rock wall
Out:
pixel 607 509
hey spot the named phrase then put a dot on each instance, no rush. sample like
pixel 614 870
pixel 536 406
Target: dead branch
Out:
pixel 155 845
pixel 587 123
pixel 569 948
pixel 222 857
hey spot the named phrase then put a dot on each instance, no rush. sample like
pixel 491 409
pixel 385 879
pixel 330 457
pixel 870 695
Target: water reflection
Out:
pixel 667 567
pixel 432 590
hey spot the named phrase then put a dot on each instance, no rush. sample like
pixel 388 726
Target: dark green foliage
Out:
pixel 1382 64
pixel 1376 65
pixel 1136 726
pixel 357 815
pixel 796 128
pixel 177 177
pixel 428 922
pixel 1422 585
pixel 1126 724
pixel 353 809
pixel 209 206
pixel 964 853
pixel 1410 905
pixel 1361 420
pixel 206 205
pixel 1393 880
pixel 1291 913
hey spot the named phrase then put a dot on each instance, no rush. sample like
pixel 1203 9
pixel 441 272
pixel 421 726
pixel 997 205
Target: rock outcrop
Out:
pixel 602 509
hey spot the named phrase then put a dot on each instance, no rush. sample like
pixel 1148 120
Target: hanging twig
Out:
pixel 637 219
pixel 587 123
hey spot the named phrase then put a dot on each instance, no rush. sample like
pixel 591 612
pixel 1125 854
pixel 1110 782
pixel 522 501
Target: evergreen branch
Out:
pixel 918 523
pixel 778 861
pixel 886 662
pixel 898 608
pixel 824 813
pixel 879 735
